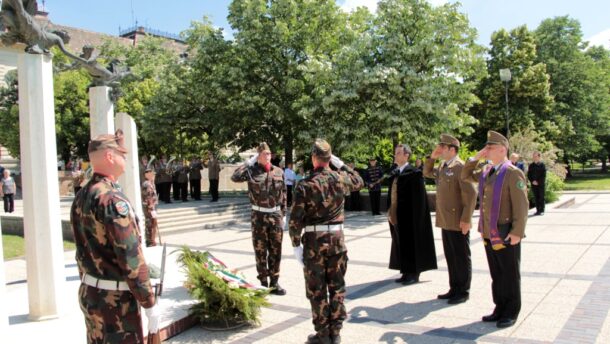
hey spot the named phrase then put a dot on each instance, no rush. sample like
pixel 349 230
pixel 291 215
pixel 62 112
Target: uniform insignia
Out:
pixel 449 173
pixel 122 208
pixel 520 184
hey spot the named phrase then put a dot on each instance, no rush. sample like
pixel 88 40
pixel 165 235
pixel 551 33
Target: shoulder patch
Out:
pixel 520 184
pixel 122 208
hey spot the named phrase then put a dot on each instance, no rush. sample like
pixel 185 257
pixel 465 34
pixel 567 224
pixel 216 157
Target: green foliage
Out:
pixel 9 114
pixel 528 141
pixel 218 302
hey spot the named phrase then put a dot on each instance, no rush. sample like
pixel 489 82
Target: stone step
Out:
pixel 201 210
pixel 218 223
pixel 198 218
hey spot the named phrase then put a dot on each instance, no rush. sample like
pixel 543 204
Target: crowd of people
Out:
pixel 111 264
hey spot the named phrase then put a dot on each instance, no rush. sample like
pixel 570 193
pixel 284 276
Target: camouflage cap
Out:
pixel 321 149
pixel 495 138
pixel 263 146
pixel 449 140
pixel 108 141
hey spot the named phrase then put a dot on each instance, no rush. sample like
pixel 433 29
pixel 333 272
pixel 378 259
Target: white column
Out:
pixel 101 111
pixel 3 299
pixel 130 180
pixel 41 222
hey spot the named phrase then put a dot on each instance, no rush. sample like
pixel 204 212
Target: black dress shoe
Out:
pixel 491 317
pixel 315 339
pixel 276 289
pixel 412 279
pixel 505 322
pixel 459 298
pixel 402 278
pixel 446 296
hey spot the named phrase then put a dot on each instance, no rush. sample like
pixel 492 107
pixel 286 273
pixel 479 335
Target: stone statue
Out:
pixel 16 18
pixel 102 76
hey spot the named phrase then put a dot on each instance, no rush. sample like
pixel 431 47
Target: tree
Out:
pixel 530 102
pixel 408 75
pixel 601 57
pixel 579 88
pixel 9 114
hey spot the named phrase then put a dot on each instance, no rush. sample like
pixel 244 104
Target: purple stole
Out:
pixel 497 243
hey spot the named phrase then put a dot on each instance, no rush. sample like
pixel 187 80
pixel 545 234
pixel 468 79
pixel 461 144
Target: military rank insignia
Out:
pixel 520 184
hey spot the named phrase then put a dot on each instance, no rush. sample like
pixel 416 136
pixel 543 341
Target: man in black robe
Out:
pixel 410 223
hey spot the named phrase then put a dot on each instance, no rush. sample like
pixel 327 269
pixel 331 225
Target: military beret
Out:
pixel 263 146
pixel 495 138
pixel 321 149
pixel 108 141
pixel 449 140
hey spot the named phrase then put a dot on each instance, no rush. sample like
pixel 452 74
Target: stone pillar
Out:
pixel 42 225
pixel 101 111
pixel 130 180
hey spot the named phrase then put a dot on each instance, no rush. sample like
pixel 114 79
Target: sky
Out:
pixel 487 16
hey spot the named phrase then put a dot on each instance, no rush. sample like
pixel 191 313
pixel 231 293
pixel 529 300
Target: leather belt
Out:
pixel 324 228
pixel 265 210
pixel 104 284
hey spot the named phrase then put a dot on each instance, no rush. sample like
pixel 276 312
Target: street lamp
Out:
pixel 506 76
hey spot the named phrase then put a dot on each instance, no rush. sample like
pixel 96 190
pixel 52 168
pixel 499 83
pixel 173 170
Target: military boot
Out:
pixel 276 289
pixel 264 283
pixel 317 339
pixel 335 339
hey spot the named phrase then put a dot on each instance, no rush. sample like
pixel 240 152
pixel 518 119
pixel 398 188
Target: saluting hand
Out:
pixel 436 152
pixel 481 154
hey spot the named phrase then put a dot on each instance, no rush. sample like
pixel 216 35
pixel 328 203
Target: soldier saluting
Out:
pixel 267 193
pixel 503 215
pixel 318 212
pixel 111 265
pixel 455 203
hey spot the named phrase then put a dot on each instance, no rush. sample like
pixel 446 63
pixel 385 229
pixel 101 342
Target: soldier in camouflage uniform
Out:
pixel 318 211
pixel 267 193
pixel 111 265
pixel 149 205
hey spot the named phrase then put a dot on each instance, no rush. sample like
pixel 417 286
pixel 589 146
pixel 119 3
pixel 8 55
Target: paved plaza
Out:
pixel 565 271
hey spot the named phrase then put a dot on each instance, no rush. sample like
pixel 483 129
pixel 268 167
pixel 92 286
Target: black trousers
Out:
pixel 164 190
pixel 505 279
pixel 176 189
pixel 289 195
pixel 538 191
pixel 457 253
pixel 214 189
pixel 375 200
pixel 9 203
pixel 183 191
pixel 196 189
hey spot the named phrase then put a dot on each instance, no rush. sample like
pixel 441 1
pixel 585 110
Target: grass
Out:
pixel 588 181
pixel 14 246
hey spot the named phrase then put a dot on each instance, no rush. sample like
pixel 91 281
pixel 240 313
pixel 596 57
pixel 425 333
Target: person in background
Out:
pixel 291 179
pixel 536 174
pixel 9 188
pixel 373 181
pixel 514 159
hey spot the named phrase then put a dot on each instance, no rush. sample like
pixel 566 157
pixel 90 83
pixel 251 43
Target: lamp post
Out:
pixel 506 76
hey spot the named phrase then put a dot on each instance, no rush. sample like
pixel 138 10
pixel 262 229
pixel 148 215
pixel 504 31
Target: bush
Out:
pixel 553 186
pixel 219 301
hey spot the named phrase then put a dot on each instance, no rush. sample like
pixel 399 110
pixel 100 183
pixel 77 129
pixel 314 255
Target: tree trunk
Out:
pixel 288 147
pixel 604 165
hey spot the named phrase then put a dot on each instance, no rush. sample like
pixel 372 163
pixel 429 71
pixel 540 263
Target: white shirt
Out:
pixel 289 176
pixel 403 166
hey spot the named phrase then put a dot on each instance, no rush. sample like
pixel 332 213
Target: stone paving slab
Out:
pixel 565 287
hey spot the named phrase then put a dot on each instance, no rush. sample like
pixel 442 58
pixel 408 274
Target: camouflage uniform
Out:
pixel 149 204
pixel 266 190
pixel 319 201
pixel 108 248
